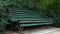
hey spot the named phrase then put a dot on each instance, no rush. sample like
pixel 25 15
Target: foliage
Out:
pixel 55 11
pixel 52 10
pixel 3 18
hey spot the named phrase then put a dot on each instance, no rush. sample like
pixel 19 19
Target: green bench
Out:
pixel 29 18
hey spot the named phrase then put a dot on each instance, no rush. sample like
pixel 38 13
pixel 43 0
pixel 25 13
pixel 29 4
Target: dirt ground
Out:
pixel 38 30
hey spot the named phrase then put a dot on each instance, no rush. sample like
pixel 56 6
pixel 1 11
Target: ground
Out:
pixel 41 30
